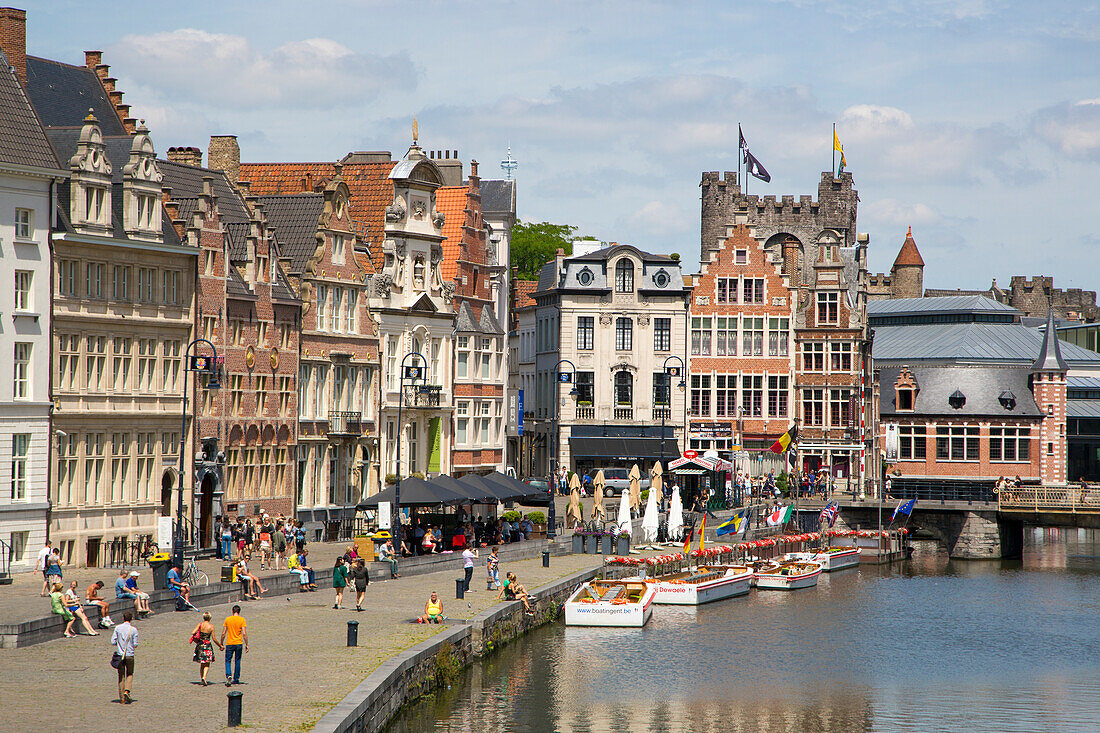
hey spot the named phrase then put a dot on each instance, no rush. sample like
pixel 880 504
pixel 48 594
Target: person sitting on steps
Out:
pixel 433 611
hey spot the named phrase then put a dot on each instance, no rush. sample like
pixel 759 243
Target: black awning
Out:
pixel 624 449
pixel 415 492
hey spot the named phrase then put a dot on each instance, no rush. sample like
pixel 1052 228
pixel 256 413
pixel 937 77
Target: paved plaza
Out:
pixel 297 668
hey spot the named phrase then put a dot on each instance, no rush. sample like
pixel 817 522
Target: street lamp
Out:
pixel 674 371
pixel 569 377
pixel 203 365
pixel 414 373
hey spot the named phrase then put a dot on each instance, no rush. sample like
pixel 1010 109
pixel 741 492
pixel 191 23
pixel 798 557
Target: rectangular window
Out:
pixel 725 338
pixel 147 362
pixel 1010 445
pixel 261 394
pixel 462 357
pixel 120 282
pixel 21 384
pixel 777 396
pixel 957 444
pixel 725 394
pixel 337 309
pixel 778 330
pixel 586 386
pixel 210 257
pixel 236 332
pixel 727 290
pixel 93 467
pixel 322 307
pixel 338 250
pixel 95 362
pixel 461 430
pixel 236 392
pixel 840 356
pixel 93 280
pixel 624 334
pixel 752 395
pixel 284 396
pixel 660 389
pixel 813 356
pixel 24 224
pixel 911 443
pixel 740 257
pixel 752 336
pixel 700 394
pixel 170 368
pixel 68 362
pixel 146 445
pixel 840 401
pixel 20 452
pixel 66 469
pixel 23 290
pixel 813 407
pixel 171 284
pixel 122 357
pixel 67 273
pixel 145 278
pixel 120 466
pixel 828 309
pixel 662 334
pixel 261 333
pixel 351 302
pixel 209 327
pixel 700 335
pixel 752 290
pixel 304 403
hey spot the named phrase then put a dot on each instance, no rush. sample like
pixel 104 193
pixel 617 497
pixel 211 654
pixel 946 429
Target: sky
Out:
pixel 976 122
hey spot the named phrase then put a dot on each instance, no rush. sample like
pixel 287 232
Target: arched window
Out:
pixel 624 276
pixel 624 388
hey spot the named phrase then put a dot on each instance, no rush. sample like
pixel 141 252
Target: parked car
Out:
pixel 617 480
pixel 540 493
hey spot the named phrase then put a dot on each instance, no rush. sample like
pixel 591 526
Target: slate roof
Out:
pixel 982 386
pixel 236 287
pixel 451 202
pixel 62 94
pixel 1050 355
pixel 465 322
pixel 1007 343
pixel 369 184
pixel 946 304
pixel 295 219
pixel 22 141
pixel 1083 382
pixel 186 183
pixel 1083 408
pixel 489 322
pixel 548 278
pixel 602 255
pixel 498 196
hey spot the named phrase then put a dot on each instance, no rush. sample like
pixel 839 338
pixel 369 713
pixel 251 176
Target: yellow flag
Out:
pixel 836 143
pixel 702 531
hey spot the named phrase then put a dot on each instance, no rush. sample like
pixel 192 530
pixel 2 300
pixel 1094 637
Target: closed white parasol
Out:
pixel 623 521
pixel 676 516
pixel 652 514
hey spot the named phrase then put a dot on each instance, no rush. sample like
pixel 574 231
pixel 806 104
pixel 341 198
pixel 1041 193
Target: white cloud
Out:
pixel 889 211
pixel 1072 129
pixel 228 70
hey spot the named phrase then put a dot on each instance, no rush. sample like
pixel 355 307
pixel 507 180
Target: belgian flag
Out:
pixel 783 443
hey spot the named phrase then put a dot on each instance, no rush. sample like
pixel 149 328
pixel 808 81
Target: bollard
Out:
pixel 460 588
pixel 546 558
pixel 234 708
pixel 353 633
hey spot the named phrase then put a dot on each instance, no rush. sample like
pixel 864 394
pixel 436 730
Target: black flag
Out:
pixel 753 167
pixel 740 138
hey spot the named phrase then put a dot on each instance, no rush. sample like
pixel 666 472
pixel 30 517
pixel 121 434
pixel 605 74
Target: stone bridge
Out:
pixel 985 528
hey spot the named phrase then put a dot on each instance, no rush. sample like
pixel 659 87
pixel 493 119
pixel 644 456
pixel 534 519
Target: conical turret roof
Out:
pixel 1050 355
pixel 909 255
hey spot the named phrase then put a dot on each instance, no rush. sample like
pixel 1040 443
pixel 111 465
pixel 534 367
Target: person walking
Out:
pixel 361 576
pixel 492 570
pixel 339 580
pixel 234 641
pixel 227 540
pixel 41 564
pixel 203 639
pixel 53 569
pixel 278 546
pixel 125 641
pixel 468 557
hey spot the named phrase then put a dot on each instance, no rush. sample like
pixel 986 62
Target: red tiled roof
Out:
pixel 451 202
pixel 909 255
pixel 522 293
pixel 369 184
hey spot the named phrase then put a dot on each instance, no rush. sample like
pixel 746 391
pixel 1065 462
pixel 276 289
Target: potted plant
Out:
pixel 622 543
pixel 578 542
pixel 592 542
pixel 607 543
pixel 538 519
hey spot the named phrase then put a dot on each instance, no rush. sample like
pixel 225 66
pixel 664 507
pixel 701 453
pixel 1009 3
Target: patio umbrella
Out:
pixel 416 492
pixel 477 494
pixel 635 488
pixel 676 516
pixel 574 508
pixel 597 494
pixel 652 515
pixel 623 523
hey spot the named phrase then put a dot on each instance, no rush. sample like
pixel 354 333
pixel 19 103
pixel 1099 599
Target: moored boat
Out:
pixel 831 558
pixel 704 584
pixel 610 603
pixel 789 575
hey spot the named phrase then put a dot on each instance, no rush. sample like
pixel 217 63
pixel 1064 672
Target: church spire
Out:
pixel 1050 355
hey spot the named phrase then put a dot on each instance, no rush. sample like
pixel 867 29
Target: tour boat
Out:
pixel 704 584
pixel 610 603
pixel 831 558
pixel 789 575
pixel 762 566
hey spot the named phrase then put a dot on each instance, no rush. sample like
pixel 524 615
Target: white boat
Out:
pixel 610 603
pixel 704 584
pixel 789 575
pixel 832 558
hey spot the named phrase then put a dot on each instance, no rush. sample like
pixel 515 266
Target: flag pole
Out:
pixel 832 172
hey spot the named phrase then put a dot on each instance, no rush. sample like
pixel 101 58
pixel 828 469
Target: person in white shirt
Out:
pixel 125 641
pixel 41 564
pixel 468 557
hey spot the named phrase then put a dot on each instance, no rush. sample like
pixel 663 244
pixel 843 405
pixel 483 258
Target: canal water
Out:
pixel 928 645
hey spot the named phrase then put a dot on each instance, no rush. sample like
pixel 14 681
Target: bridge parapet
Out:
pixel 1031 499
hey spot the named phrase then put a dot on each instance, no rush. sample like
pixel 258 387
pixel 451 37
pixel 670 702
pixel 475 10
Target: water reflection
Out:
pixel 930 645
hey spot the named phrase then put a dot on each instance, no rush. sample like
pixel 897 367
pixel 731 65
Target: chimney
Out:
pixel 93 59
pixel 224 154
pixel 13 40
pixel 186 156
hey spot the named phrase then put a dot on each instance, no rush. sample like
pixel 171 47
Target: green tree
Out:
pixel 534 244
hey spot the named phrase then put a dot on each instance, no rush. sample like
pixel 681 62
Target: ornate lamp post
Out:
pixel 201 364
pixel 413 373
pixel 569 377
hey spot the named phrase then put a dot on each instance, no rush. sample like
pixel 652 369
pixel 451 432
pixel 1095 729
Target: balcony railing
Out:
pixel 423 396
pixel 624 413
pixel 345 423
pixel 661 413
pixel 1070 499
pixel 586 412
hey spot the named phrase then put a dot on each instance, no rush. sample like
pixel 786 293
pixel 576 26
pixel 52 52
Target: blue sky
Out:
pixel 974 121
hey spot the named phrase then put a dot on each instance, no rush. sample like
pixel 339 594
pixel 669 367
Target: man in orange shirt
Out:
pixel 234 637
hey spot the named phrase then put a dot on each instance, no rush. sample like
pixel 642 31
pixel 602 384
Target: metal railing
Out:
pixel 958 491
pixel 345 423
pixel 586 413
pixel 1049 498
pixel 5 561
pixel 127 553
pixel 423 396
pixel 352 527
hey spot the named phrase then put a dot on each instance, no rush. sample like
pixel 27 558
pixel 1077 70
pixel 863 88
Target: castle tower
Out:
pixel 1049 387
pixel 907 274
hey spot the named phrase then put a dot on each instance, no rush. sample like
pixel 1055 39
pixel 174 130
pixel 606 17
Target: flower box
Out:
pixel 592 545
pixel 607 544
pixel 578 544
pixel 622 544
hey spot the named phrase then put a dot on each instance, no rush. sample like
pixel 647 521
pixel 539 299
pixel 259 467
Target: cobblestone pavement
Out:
pixel 297 669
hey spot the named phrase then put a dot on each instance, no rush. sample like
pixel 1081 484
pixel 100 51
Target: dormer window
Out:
pixel 624 276
pixel 661 278
pixel 585 277
pixel 905 399
pixel 1007 400
pixel 828 309
pixel 145 210
pixel 957 400
pixel 338 250
pixel 94 205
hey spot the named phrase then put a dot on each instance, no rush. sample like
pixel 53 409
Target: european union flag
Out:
pixel 906 508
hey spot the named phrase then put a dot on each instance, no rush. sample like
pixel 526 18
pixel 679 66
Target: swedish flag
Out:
pixel 735 524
